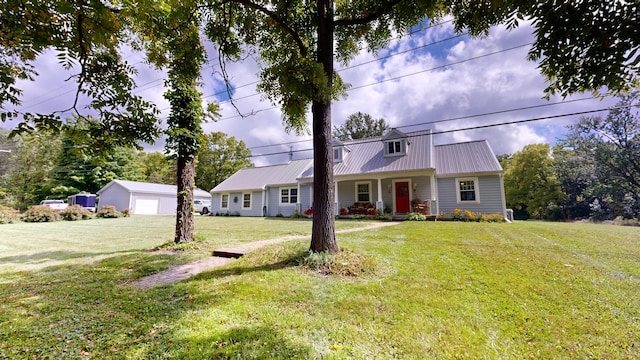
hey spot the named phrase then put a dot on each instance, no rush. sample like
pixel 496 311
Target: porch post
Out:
pixel 298 204
pixel 433 207
pixel 336 207
pixel 380 203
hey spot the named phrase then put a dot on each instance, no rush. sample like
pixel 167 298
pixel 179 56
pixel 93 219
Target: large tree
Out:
pixel 30 178
pixel 298 42
pixel 530 183
pixel 220 156
pixel 360 126
pixel 609 149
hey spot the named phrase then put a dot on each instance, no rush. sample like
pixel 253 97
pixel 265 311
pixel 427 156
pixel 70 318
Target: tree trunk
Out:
pixel 323 237
pixel 184 212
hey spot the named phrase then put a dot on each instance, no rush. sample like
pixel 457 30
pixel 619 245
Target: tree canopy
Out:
pixel 360 126
pixel 530 183
pixel 220 156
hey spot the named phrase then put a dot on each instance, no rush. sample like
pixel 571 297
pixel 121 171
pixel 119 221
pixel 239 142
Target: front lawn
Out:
pixel 441 290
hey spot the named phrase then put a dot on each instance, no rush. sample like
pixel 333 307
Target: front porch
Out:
pixel 396 195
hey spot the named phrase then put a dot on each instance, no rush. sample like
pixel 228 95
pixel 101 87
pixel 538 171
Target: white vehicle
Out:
pixel 54 204
pixel 202 206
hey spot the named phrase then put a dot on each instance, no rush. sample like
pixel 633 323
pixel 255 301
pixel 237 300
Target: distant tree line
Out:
pixel 593 172
pixel 53 165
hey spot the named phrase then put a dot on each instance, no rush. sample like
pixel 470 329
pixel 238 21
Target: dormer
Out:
pixel 340 150
pixel 396 143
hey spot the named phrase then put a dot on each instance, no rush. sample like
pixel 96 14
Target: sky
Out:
pixel 433 79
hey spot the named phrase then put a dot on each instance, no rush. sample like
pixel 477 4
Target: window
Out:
pixel 394 148
pixel 246 201
pixel 224 201
pixel 468 190
pixel 337 154
pixel 363 193
pixel 288 196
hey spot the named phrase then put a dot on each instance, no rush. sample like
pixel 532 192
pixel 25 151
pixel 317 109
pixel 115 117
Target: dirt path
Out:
pixel 186 271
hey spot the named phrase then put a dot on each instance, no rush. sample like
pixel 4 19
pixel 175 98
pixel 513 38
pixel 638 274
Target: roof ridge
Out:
pixel 462 142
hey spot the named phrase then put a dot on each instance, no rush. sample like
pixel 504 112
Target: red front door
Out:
pixel 402 197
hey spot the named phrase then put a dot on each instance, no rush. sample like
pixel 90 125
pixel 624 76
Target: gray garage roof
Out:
pixel 367 156
pixel 465 158
pixel 259 177
pixel 151 188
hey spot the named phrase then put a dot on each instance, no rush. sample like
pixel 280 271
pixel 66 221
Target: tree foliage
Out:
pixel 86 36
pixel 580 45
pixel 29 180
pixel 157 168
pixel 530 183
pixel 360 126
pixel 220 156
pixel 604 162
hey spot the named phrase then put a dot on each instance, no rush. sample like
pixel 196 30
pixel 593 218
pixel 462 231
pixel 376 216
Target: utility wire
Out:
pixel 452 119
pixel 468 128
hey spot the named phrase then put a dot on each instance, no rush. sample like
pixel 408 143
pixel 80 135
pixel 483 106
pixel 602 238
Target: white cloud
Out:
pixel 429 84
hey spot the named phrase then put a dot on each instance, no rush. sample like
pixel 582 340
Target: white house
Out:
pixel 399 172
pixel 143 198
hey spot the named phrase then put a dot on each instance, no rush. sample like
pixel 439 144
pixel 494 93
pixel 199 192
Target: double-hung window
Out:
pixel 363 191
pixel 288 195
pixel 468 190
pixel 246 200
pixel 224 201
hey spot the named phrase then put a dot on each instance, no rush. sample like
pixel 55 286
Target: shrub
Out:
pixel 109 212
pixel 415 217
pixel 41 213
pixel 457 215
pixel 76 212
pixel 492 218
pixel 126 213
pixel 467 215
pixel 297 215
pixel 8 215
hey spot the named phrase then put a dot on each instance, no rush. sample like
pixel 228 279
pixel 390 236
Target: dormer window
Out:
pixel 394 147
pixel 337 154
pixel 340 150
pixel 395 143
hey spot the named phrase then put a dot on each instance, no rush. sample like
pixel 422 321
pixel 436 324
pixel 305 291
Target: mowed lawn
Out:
pixel 441 290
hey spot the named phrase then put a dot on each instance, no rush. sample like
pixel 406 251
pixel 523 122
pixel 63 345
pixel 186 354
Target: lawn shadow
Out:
pixel 259 342
pixel 255 262
pixel 59 256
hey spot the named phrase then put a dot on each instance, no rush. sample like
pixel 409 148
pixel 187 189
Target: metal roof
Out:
pixel 367 156
pixel 151 188
pixel 260 177
pixel 465 158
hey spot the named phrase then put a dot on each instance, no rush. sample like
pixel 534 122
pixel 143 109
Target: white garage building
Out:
pixel 143 198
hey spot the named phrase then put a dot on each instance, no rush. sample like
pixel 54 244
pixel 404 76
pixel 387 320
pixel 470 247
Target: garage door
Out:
pixel 146 206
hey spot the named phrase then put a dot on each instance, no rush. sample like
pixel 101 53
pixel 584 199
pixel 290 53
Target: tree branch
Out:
pixel 369 17
pixel 280 21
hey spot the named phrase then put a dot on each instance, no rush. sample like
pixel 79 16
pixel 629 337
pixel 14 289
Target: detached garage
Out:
pixel 143 198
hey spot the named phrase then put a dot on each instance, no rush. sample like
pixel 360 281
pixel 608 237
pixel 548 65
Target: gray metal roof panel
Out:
pixel 152 188
pixel 367 156
pixel 465 158
pixel 259 177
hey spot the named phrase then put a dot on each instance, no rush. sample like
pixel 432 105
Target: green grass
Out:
pixel 441 290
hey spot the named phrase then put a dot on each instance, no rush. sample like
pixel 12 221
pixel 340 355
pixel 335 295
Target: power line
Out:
pixel 471 128
pixel 453 119
pixel 394 78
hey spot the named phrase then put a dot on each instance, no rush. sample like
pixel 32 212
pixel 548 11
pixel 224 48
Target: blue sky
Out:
pixel 462 77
